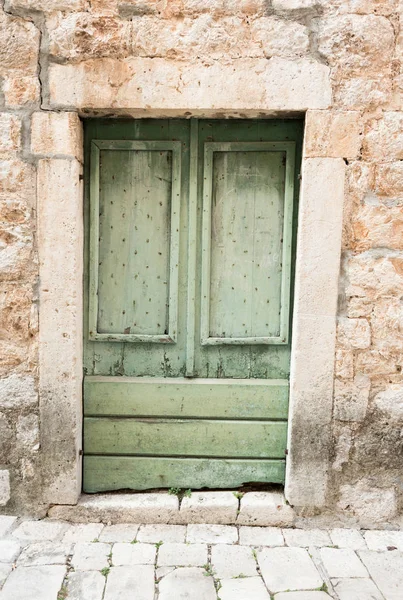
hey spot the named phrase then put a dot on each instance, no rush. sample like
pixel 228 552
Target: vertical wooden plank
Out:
pixel 174 242
pixel 287 242
pixel 206 243
pixel 192 238
pixel 93 243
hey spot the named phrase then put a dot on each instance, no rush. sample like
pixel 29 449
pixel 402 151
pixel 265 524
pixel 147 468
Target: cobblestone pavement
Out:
pixel 54 560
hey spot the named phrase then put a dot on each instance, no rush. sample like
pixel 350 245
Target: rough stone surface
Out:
pixel 182 555
pixel 359 589
pixel 305 538
pixel 261 536
pixel 212 534
pixel 288 569
pixel 368 504
pixel 26 583
pixel 232 561
pixel 382 540
pixel 84 533
pixel 39 531
pixel 9 550
pixel 6 524
pixel 44 553
pixel 342 563
pixel 119 533
pixel 90 556
pixel 348 538
pixel 56 133
pixel 5 491
pixel 250 587
pixel 386 570
pixel 88 585
pixel 187 583
pixel 265 508
pixel 136 581
pixel 209 507
pixel 133 554
pixel 161 533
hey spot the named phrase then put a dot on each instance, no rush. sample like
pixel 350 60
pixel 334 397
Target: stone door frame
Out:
pixel 60 248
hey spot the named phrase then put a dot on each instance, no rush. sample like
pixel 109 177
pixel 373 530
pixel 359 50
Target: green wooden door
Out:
pixel 189 248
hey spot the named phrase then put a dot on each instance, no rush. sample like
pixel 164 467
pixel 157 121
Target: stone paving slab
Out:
pixel 6 524
pixel 51 560
pixel 34 583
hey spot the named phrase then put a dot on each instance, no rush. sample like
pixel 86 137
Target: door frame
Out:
pixel 60 248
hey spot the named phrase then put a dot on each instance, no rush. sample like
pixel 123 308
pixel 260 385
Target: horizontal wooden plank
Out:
pixel 107 473
pixel 244 439
pixel 203 398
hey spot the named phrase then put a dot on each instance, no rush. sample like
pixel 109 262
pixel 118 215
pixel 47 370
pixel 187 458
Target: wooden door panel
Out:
pixel 108 473
pixel 189 272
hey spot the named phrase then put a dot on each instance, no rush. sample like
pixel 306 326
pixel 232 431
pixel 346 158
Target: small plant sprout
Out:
pixel 105 571
pixel 239 495
pixel 134 542
pixel 187 493
pixel 159 544
pixel 174 491
pixel 95 540
pixel 208 570
pixel 63 593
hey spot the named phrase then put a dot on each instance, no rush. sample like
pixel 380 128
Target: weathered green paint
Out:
pixel 186 398
pixel 180 213
pixel 186 437
pixel 107 473
pixel 247 214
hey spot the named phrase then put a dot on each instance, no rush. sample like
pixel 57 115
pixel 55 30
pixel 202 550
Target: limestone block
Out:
pixel 133 554
pixel 295 4
pixel 232 561
pixel 17 179
pixel 348 538
pixel 39 531
pixel 351 398
pixel 49 6
pixel 28 431
pixel 359 307
pixel 18 391
pixel 57 133
pixel 83 533
pixel 387 325
pixel 44 553
pixel 368 504
pixel 136 581
pixel 356 93
pixel 356 588
pixel 332 134
pixel 288 569
pixel 265 508
pixel 9 550
pixel 60 334
pixel 19 45
pixel 6 524
pixel 15 310
pixel 5 570
pixel 301 538
pixel 183 555
pixel 85 584
pixel 378 227
pixel 250 587
pixel 144 83
pixel 364 7
pixel 187 583
pixel 212 534
pixel 343 442
pixel 10 133
pixel 161 533
pixel 354 332
pixel 26 583
pixel 121 508
pixel 342 563
pixel 209 507
pixel 389 180
pixel 260 536
pixel 81 36
pixel 119 533
pixel 5 492
pixel 380 541
pixel 274 35
pixel 21 91
pixel 357 44
pixel 90 556
pixel 371 276
pixel 344 364
pixel 383 139
pixel 386 570
pixel 390 401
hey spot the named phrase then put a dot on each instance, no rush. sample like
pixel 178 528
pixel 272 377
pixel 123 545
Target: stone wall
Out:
pixel 341 59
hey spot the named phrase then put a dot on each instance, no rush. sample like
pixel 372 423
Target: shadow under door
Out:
pixel 190 239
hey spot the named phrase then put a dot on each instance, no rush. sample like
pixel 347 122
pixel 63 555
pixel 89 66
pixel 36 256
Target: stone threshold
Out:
pixel 218 508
